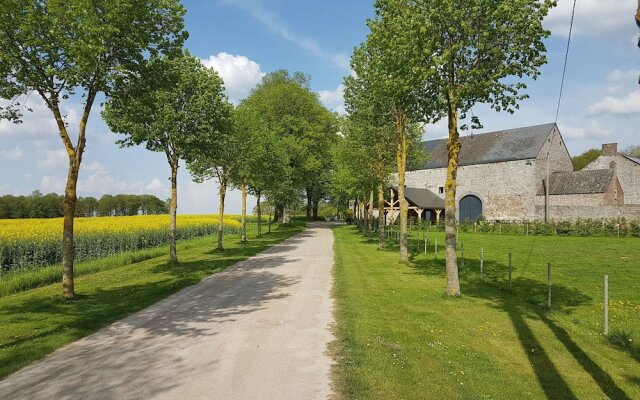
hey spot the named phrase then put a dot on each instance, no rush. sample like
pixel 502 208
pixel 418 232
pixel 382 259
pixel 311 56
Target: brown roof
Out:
pixel 581 182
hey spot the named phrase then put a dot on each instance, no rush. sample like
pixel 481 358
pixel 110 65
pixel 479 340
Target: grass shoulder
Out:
pixel 399 337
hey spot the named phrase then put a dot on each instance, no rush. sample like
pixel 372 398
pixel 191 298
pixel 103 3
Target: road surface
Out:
pixel 258 330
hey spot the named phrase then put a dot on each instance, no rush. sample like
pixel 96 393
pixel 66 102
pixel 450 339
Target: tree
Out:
pixel 305 129
pixel 263 162
pixel 177 107
pixel 632 151
pixel 393 89
pixel 74 49
pixel 464 53
pixel 584 159
pixel 370 130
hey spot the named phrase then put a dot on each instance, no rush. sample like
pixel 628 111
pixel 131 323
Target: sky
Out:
pixel 244 39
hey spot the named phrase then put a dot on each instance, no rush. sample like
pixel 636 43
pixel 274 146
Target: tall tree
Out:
pixel 464 53
pixel 65 50
pixel 304 128
pixel 369 128
pixel 263 163
pixel 177 107
pixel 393 88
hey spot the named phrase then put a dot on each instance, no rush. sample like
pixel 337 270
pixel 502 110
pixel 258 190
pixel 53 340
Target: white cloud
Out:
pixel 50 183
pixel 592 17
pixel 617 76
pixel 333 99
pixel 593 131
pixel 39 123
pixel 275 24
pixel 240 74
pixel 54 160
pixel 14 154
pixel 158 188
pixel 626 105
pixel 95 167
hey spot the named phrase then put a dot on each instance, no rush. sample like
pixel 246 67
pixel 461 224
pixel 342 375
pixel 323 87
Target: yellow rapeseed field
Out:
pixel 33 242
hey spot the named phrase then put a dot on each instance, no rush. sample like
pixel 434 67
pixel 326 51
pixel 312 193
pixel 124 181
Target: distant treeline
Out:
pixel 49 205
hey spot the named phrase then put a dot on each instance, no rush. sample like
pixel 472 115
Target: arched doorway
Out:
pixel 470 208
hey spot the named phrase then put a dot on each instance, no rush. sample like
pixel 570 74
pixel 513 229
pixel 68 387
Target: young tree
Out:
pixel 392 89
pixel 177 107
pixel 71 49
pixel 464 53
pixel 370 130
pixel 263 162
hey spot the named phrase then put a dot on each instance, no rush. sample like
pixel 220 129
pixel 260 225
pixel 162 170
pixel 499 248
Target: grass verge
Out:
pixel 38 321
pixel 398 337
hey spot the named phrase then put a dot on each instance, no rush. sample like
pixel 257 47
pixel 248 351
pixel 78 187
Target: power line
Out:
pixel 566 57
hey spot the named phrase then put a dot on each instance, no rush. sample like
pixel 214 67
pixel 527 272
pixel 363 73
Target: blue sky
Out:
pixel 243 39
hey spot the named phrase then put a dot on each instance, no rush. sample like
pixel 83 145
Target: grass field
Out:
pixel 400 338
pixel 36 322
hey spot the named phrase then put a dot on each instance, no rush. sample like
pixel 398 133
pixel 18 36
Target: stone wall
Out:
pixel 561 213
pixel 506 189
pixel 559 160
pixel 628 173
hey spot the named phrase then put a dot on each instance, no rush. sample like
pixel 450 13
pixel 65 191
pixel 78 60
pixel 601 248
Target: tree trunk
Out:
pixel 278 211
pixel 70 195
pixel 370 212
pixel 69 206
pixel 316 205
pixel 173 208
pixel 243 237
pixel 223 193
pixel 259 213
pixel 401 160
pixel 453 284
pixel 381 226
pixel 309 202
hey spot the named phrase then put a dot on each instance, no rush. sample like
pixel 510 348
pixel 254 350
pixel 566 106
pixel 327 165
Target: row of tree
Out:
pixel 424 61
pixel 37 205
pixel 275 144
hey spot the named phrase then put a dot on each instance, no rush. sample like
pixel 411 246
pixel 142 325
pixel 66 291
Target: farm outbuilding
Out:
pixel 503 175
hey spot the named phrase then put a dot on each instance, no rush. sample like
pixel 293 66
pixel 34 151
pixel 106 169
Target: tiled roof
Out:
pixel 509 145
pixel 580 182
pixel 634 159
pixel 422 198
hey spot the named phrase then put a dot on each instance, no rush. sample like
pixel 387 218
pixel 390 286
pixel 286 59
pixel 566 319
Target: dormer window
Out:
pixel 441 190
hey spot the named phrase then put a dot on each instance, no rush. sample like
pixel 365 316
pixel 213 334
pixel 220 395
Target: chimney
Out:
pixel 610 149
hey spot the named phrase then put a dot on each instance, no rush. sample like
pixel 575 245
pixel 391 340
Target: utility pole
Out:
pixel 546 185
pixel 638 23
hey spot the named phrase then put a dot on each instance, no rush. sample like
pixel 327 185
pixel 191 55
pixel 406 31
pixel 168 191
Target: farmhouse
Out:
pixel 503 175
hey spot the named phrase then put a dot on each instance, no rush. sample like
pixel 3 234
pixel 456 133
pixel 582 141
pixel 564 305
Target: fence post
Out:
pixel 425 245
pixel 606 304
pixel 462 245
pixel 549 284
pixel 435 249
pixel 510 269
pixel 481 262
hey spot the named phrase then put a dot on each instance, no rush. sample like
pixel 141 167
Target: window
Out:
pixel 441 190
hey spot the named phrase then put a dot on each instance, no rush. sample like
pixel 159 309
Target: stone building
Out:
pixel 502 176
pixel 627 169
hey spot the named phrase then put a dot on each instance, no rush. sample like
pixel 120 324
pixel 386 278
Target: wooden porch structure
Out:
pixel 421 201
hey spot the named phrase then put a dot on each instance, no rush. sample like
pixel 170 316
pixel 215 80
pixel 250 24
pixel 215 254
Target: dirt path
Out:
pixel 258 330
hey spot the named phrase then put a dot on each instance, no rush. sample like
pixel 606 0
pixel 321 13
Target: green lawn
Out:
pixel 400 338
pixel 35 322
